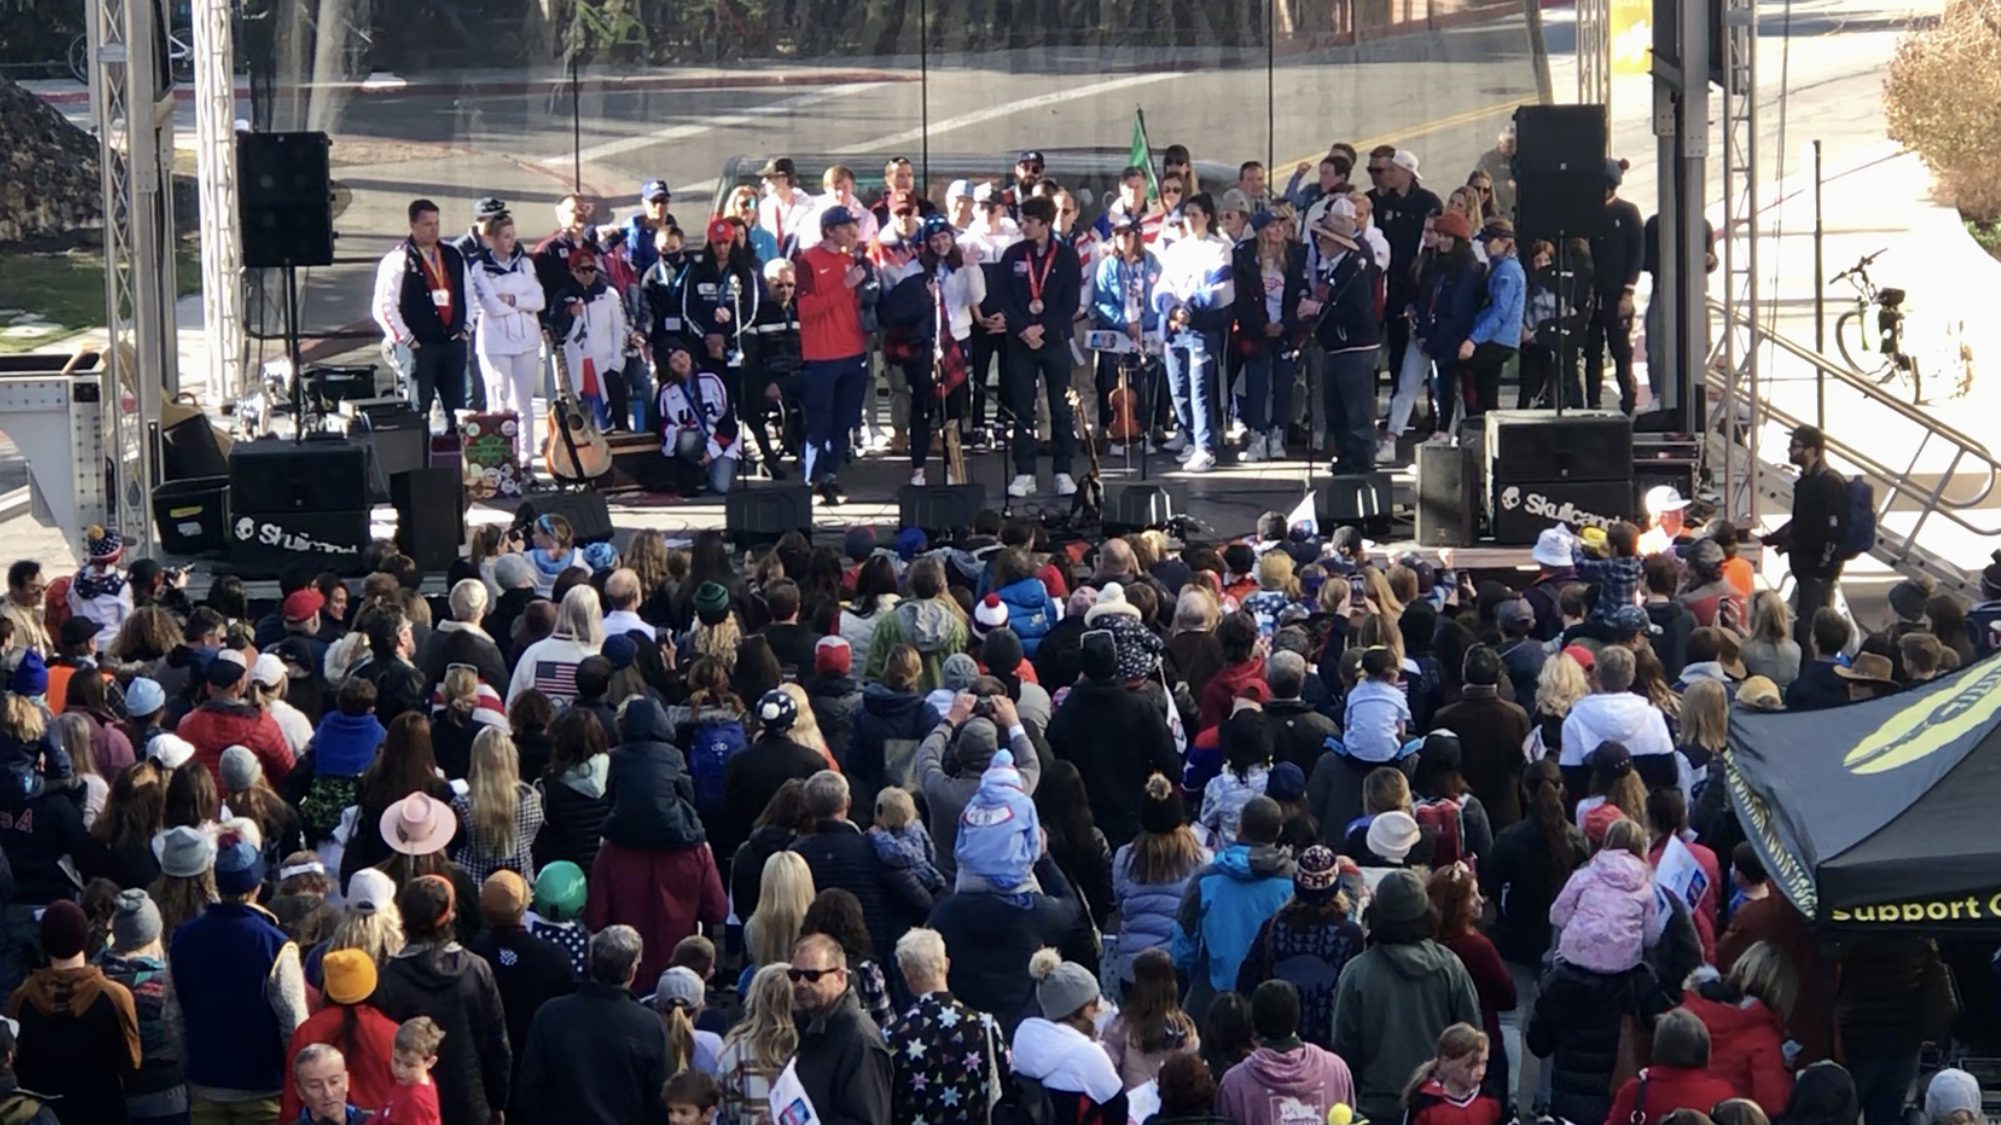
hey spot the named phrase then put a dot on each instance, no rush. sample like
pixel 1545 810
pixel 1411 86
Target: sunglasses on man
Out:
pixel 810 976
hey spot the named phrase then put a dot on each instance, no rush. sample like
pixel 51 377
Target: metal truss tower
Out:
pixel 1740 236
pixel 132 104
pixel 1594 52
pixel 215 169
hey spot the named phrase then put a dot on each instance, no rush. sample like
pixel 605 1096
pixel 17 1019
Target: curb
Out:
pixel 510 85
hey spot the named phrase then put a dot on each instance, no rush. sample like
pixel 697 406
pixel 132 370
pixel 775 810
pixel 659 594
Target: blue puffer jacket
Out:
pixel 1146 910
pixel 1223 906
pixel 1031 612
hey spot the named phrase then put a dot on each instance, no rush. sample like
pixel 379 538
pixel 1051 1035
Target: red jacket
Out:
pixel 1746 1049
pixel 1222 689
pixel 219 724
pixel 369 1079
pixel 830 314
pixel 1431 1105
pixel 665 895
pixel 1669 1088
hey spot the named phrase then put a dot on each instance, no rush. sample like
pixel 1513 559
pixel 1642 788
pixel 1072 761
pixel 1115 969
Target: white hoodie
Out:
pixel 506 329
pixel 1618 716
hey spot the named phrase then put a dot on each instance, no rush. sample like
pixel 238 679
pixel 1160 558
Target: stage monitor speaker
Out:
pixel 318 475
pixel 401 441
pixel 1360 499
pixel 1523 510
pixel 938 507
pixel 586 513
pixel 762 511
pixel 285 199
pixel 1448 495
pixel 1136 507
pixel 1540 445
pixel 192 515
pixel 430 516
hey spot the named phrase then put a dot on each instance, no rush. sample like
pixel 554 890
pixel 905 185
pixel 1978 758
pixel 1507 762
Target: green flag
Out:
pixel 1142 153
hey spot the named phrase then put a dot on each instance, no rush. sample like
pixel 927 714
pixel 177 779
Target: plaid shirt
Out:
pixel 1618 581
pixel 474 856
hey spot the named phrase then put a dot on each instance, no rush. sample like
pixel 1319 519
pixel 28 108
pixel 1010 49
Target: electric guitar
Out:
pixel 574 452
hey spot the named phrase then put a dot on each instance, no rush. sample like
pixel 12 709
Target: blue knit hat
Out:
pixel 776 712
pixel 239 870
pixel 31 676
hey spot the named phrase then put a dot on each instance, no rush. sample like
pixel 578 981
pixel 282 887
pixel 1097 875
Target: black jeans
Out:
pixel 1540 369
pixel 1810 594
pixel 439 371
pixel 1611 331
pixel 981 350
pixel 925 408
pixel 1052 362
pixel 1483 373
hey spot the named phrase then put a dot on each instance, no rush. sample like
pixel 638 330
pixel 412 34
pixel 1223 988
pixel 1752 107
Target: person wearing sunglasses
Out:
pixel 785 212
pixel 1027 174
pixel 656 203
pixel 842 1063
pixel 742 207
pixel 589 318
pixel 1173 190
pixel 771 392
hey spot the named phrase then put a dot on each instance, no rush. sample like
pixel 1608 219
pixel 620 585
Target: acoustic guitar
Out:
pixel 575 452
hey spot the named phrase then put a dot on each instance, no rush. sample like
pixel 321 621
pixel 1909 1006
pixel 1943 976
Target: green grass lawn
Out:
pixel 66 289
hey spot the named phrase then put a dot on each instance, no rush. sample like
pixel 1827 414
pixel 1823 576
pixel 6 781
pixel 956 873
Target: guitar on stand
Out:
pixel 575 452
pixel 948 369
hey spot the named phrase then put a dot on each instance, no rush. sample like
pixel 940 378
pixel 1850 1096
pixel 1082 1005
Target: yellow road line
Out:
pixel 1364 144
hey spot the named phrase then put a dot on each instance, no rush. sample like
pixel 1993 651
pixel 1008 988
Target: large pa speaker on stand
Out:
pixel 1559 164
pixel 284 184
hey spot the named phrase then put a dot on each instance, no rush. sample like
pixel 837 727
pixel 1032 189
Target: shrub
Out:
pixel 1940 98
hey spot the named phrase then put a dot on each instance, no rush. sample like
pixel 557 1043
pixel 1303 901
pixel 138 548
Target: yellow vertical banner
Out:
pixel 1632 28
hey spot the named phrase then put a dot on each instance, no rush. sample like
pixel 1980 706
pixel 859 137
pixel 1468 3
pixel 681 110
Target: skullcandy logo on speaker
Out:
pixel 271 535
pixel 1542 507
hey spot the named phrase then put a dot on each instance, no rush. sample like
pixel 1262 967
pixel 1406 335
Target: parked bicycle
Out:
pixel 180 58
pixel 1871 334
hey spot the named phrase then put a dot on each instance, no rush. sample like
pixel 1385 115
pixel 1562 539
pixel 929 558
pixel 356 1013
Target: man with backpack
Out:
pixel 1824 532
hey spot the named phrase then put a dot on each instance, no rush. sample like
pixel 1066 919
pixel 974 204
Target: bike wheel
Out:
pixel 79 58
pixel 1851 336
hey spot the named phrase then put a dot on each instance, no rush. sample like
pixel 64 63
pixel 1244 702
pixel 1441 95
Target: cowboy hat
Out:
pixel 419 824
pixel 1869 668
pixel 1338 229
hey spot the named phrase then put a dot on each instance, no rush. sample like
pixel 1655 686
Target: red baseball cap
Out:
pixel 721 230
pixel 582 257
pixel 1582 655
pixel 900 199
pixel 301 605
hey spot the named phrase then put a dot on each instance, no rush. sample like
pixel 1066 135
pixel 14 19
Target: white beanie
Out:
pixel 989 614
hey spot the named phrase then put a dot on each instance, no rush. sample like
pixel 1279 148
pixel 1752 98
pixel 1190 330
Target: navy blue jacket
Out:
pixel 1446 307
pixel 1061 291
pixel 1351 324
pixel 1251 311
pixel 221 962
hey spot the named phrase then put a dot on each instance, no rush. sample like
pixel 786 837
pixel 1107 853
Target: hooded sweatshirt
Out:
pixel 1279 1087
pixel 1223 907
pixel 999 832
pixel 1391 1005
pixel 652 796
pixel 78 1028
pixel 1746 1043
pixel 455 988
pixel 1615 716
pixel 930 625
pixel 1607 913
pixel 946 794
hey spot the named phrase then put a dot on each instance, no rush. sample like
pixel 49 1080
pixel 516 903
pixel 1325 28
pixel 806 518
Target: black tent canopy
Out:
pixel 1880 815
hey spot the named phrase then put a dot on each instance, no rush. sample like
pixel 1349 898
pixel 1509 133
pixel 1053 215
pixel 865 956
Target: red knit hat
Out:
pixel 989 615
pixel 833 657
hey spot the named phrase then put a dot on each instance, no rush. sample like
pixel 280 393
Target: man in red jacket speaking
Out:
pixel 832 347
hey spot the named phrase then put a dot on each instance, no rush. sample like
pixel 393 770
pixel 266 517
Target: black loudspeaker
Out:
pixel 1538 445
pixel 1135 507
pixel 293 502
pixel 586 513
pixel 321 475
pixel 1448 495
pixel 1559 164
pixel 1358 499
pixel 1522 510
pixel 285 199
pixel 761 511
pixel 936 507
pixel 400 439
pixel 430 516
pixel 192 515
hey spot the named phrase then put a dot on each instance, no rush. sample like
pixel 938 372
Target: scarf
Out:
pixel 91 583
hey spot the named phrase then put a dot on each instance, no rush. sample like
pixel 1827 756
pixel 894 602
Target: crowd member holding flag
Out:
pixel 590 320
pixel 934 304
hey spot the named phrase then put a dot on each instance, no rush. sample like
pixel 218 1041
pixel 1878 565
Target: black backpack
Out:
pixel 1023 1102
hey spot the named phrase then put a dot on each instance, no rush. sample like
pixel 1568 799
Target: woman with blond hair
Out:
pixel 1769 650
pixel 784 894
pixel 550 664
pixel 1705 726
pixel 1560 684
pixel 500 813
pixel 756 1050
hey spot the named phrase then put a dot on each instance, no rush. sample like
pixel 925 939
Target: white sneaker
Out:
pixel 1184 454
pixel 1176 444
pixel 1202 462
pixel 917 478
pixel 1064 485
pixel 1441 437
pixel 1022 485
pixel 1275 445
pixel 1254 450
pixel 1115 450
pixel 1236 429
pixel 1386 450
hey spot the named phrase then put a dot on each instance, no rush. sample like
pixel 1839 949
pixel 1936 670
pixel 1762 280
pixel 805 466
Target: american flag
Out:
pixel 556 679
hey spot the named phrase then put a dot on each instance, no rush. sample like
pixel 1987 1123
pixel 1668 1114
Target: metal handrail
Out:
pixel 1930 499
